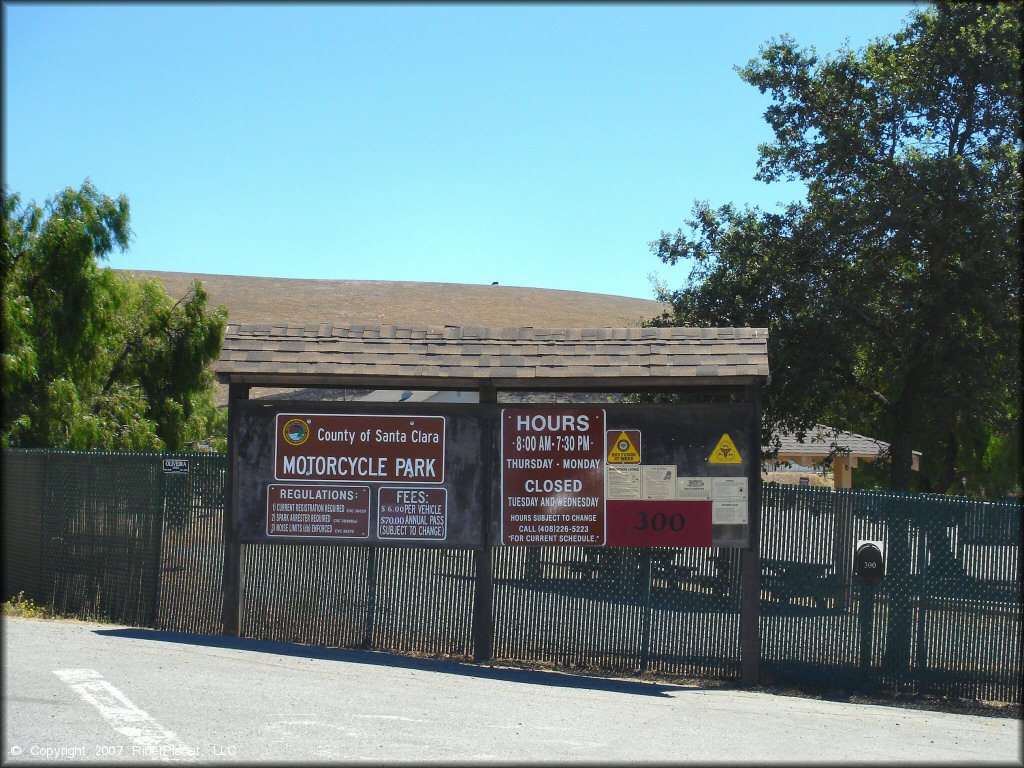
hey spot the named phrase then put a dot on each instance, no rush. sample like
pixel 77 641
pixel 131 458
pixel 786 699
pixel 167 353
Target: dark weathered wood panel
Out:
pixel 463 475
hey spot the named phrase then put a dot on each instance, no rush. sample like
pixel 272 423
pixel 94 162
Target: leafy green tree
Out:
pixel 891 293
pixel 91 358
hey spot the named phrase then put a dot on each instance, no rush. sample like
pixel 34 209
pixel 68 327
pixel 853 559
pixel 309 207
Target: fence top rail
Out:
pixel 101 452
pixel 773 489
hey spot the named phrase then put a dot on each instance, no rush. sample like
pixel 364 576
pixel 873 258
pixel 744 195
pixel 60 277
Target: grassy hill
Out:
pixel 289 300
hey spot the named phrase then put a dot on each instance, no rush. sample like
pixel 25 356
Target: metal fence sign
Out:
pixel 359 447
pixel 552 476
pixel 329 511
pixel 467 476
pixel 625 475
pixel 412 514
pixel 330 472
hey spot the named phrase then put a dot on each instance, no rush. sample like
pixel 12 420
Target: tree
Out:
pixel 91 358
pixel 891 293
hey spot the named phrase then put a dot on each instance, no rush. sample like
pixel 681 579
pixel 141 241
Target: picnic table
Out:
pixel 721 580
pixel 789 579
pixel 589 567
pixel 663 566
pixel 616 565
pixel 608 566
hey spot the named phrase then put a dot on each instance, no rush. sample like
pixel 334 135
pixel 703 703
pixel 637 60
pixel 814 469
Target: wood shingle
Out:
pixel 453 357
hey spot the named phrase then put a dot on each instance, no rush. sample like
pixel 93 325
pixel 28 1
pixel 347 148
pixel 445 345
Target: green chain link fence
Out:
pixel 666 610
pixel 945 619
pixel 114 536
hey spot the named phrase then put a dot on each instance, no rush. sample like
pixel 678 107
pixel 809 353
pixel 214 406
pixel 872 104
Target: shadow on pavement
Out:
pixel 380 658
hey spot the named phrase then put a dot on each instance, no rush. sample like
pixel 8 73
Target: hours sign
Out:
pixel 552 476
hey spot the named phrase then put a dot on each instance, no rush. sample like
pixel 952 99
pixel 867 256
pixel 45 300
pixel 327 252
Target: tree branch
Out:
pixel 133 343
pixel 853 381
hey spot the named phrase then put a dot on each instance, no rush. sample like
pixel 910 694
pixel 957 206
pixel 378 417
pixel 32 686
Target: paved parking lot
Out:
pixel 79 691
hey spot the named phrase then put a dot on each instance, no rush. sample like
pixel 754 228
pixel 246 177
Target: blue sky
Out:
pixel 533 145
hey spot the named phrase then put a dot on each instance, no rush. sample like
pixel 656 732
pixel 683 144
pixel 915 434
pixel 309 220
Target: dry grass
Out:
pixel 287 300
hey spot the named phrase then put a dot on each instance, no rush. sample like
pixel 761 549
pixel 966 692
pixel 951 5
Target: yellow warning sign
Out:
pixel 725 452
pixel 624 449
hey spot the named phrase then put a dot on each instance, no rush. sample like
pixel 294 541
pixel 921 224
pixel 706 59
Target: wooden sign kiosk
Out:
pixel 488 474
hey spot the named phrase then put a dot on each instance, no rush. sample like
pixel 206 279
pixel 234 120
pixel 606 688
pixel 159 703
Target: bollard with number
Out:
pixel 868 569
pixel 868 561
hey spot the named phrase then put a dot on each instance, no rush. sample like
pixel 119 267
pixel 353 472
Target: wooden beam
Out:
pixel 483 595
pixel 231 614
pixel 750 557
pixel 842 474
pixel 536 384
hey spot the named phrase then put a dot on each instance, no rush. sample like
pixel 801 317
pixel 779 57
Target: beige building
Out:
pixel 799 461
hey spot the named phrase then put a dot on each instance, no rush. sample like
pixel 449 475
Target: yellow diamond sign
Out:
pixel 624 449
pixel 725 452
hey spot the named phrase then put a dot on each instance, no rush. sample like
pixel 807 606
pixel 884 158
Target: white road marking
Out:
pixel 123 716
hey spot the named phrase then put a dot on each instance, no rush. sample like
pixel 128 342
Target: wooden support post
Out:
pixel 483 618
pixel 750 591
pixel 232 609
pixel 483 615
pixel 842 473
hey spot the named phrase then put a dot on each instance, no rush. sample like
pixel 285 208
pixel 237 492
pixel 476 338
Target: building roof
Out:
pixel 273 300
pixel 469 357
pixel 821 440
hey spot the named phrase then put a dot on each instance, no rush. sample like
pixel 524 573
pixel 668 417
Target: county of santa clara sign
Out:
pixel 466 476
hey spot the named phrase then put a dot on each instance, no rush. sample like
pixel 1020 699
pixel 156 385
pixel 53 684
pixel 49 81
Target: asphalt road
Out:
pixel 79 691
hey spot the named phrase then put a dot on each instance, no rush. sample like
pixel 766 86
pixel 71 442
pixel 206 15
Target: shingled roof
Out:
pixel 821 441
pixel 470 357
